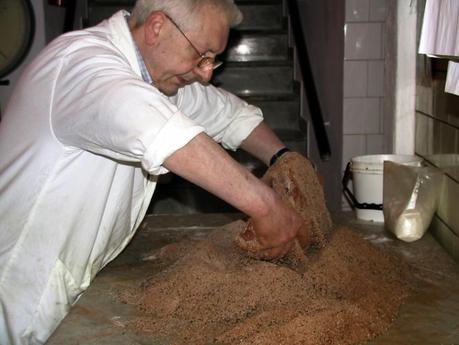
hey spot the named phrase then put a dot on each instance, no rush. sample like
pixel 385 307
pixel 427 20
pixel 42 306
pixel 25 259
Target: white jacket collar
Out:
pixel 122 38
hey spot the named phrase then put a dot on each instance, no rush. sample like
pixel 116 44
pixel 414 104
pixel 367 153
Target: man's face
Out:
pixel 172 62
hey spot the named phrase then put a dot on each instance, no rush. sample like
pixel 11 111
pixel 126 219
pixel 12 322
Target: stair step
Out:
pixel 245 79
pixel 261 15
pixel 281 115
pixel 257 46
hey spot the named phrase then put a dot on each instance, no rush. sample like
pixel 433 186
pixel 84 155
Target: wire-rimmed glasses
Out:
pixel 206 63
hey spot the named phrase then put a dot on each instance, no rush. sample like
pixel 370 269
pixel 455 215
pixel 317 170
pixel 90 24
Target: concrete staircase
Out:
pixel 258 68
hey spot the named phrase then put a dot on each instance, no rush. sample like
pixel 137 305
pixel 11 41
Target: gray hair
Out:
pixel 184 11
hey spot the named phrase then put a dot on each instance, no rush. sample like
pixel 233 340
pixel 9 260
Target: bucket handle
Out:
pixel 350 196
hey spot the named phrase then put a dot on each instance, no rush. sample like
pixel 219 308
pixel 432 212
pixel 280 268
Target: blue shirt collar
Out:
pixel 143 68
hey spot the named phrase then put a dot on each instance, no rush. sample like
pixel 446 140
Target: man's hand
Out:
pixel 273 235
pixel 294 180
pixel 274 223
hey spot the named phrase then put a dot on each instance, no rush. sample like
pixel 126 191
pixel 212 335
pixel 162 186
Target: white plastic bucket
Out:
pixel 367 181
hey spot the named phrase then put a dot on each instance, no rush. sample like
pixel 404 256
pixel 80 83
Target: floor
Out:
pixel 431 316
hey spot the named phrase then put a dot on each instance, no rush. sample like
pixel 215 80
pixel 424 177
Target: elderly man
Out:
pixel 94 120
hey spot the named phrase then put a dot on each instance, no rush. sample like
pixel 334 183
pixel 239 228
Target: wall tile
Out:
pixel 353 145
pixel 423 70
pixel 376 78
pixel 383 41
pixel 424 135
pixel 448 138
pixel 361 116
pixel 447 162
pixel 363 41
pixel 439 100
pixel 446 237
pixel 357 10
pixel 378 10
pixel 444 138
pixel 424 99
pixel 447 206
pixel 355 79
pixel 382 114
pixel 451 108
pixel 375 144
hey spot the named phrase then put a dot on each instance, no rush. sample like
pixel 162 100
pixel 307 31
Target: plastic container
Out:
pixel 367 180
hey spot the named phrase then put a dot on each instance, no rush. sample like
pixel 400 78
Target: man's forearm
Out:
pixel 262 143
pixel 206 164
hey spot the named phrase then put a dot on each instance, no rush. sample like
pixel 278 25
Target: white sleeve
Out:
pixel 225 117
pixel 108 110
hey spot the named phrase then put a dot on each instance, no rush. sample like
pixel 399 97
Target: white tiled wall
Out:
pixel 362 41
pixel 364 70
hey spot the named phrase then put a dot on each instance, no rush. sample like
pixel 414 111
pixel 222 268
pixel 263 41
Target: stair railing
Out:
pixel 310 89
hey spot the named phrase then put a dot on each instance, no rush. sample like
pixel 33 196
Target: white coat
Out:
pixel 82 141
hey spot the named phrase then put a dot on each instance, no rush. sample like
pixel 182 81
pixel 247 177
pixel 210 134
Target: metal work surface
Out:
pixel 430 316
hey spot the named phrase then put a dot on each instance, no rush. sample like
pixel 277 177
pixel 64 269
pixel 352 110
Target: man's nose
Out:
pixel 204 75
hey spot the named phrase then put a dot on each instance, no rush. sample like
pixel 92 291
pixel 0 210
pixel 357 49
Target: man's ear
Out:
pixel 153 26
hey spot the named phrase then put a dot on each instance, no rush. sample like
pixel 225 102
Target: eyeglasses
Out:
pixel 206 63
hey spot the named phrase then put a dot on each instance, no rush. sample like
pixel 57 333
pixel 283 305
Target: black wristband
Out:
pixel 279 153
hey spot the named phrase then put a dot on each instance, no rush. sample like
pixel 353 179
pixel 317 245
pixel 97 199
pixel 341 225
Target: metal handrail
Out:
pixel 315 109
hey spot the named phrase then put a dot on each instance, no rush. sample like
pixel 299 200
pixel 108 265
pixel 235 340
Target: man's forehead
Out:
pixel 212 26
pixel 208 15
